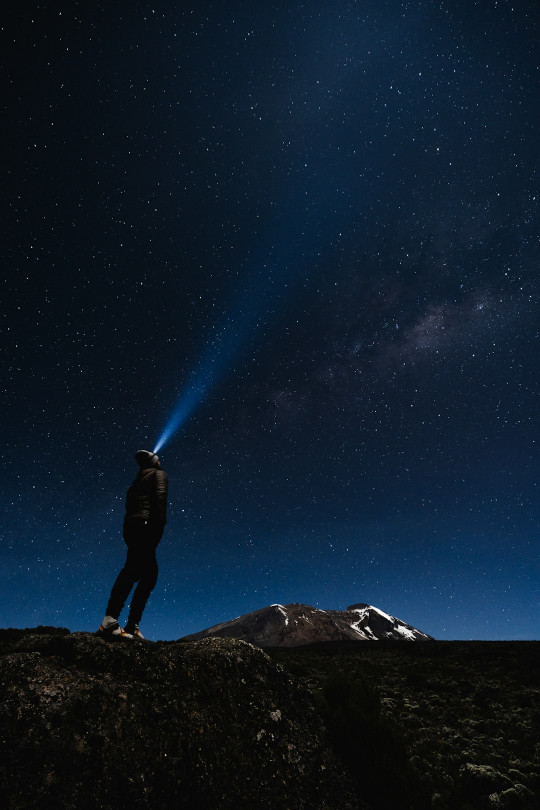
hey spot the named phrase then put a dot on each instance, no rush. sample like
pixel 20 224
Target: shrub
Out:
pixel 370 744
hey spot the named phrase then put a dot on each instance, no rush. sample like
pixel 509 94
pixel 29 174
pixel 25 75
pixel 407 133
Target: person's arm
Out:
pixel 158 511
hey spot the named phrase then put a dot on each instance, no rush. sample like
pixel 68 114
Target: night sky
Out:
pixel 309 230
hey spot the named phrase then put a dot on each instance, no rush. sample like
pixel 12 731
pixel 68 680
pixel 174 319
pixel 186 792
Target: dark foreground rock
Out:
pixel 213 724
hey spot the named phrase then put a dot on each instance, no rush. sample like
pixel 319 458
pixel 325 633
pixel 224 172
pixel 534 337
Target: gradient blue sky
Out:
pixel 311 229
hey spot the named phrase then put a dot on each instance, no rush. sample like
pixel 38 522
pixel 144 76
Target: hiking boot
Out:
pixel 133 631
pixel 110 629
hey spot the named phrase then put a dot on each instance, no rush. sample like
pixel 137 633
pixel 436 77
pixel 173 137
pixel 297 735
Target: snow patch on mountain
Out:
pixel 283 611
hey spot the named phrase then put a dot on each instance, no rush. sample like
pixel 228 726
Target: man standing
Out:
pixel 146 515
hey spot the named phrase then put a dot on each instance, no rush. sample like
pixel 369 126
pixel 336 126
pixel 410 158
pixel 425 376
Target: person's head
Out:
pixel 146 459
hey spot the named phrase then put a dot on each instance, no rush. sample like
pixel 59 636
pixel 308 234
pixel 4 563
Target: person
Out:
pixel 145 519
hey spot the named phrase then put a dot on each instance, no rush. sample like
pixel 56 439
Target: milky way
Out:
pixel 308 235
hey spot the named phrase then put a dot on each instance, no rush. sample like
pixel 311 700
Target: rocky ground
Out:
pixel 86 723
pixel 219 723
pixel 466 715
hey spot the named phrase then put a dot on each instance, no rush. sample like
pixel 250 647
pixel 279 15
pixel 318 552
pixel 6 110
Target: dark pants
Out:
pixel 141 567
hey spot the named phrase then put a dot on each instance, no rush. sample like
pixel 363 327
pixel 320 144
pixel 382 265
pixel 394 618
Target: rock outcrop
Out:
pixel 86 723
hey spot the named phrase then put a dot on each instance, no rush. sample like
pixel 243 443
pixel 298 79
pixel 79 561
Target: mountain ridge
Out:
pixel 296 624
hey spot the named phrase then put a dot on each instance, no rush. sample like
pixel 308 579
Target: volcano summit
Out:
pixel 295 625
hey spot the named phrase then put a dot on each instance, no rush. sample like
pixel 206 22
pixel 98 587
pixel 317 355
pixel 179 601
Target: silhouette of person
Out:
pixel 145 519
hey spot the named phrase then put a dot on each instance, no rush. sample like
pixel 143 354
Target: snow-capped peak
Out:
pixel 294 625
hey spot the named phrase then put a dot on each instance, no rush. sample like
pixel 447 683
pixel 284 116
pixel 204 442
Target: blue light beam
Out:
pixel 317 199
pixel 271 279
pixel 319 192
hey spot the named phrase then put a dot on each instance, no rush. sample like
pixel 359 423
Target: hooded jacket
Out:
pixel 147 497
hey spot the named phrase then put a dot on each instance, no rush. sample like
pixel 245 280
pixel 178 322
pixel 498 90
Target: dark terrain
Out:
pixel 219 723
pixel 86 724
pixel 467 714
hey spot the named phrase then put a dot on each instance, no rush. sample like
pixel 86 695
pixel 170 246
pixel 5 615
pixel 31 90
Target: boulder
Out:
pixel 88 723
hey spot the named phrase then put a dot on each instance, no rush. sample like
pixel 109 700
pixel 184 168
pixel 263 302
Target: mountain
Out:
pixel 295 625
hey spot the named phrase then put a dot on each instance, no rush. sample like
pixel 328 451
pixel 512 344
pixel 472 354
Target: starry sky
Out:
pixel 310 231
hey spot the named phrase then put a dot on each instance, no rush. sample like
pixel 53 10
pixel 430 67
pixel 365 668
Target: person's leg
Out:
pixel 120 590
pixel 109 627
pixel 147 581
pixel 125 579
